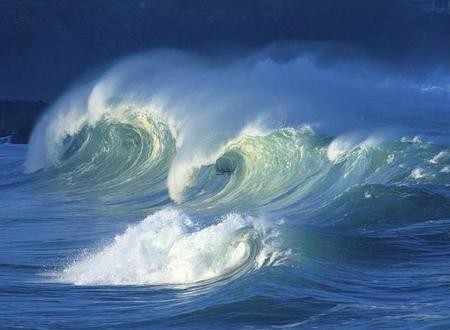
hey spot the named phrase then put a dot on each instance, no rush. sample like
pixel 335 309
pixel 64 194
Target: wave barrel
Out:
pixel 225 165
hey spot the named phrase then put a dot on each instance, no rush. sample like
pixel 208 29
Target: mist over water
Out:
pixel 334 212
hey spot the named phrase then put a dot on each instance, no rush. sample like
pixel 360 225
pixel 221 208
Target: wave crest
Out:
pixel 169 248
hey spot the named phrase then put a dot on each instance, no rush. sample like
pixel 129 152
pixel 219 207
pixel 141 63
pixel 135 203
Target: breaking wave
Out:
pixel 153 127
pixel 170 248
pixel 134 154
pixel 171 136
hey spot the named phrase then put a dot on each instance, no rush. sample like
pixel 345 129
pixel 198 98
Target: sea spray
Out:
pixel 169 248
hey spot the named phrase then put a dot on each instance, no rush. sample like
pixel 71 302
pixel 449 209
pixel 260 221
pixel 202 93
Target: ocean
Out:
pixel 170 193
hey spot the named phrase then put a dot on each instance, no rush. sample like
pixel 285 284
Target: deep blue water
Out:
pixel 380 265
pixel 117 216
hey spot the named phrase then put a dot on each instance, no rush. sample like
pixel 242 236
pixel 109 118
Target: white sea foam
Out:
pixel 416 139
pixel 338 148
pixel 342 145
pixel 439 157
pixel 445 169
pixel 169 247
pixel 417 173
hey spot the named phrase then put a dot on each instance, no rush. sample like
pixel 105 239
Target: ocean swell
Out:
pixel 153 127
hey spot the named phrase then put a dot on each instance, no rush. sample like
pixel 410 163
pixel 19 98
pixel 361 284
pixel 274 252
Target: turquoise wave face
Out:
pixel 120 161
pixel 281 172
pixel 295 171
